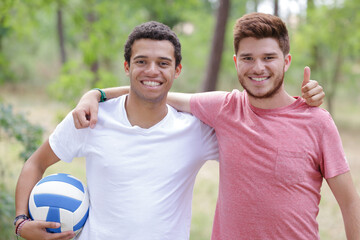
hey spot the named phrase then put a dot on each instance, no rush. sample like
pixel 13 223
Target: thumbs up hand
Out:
pixel 311 91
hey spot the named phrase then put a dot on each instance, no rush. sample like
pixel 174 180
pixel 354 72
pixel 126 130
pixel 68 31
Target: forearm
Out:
pixel 31 173
pixel 180 101
pixel 351 216
pixel 29 176
pixel 348 199
pixel 116 91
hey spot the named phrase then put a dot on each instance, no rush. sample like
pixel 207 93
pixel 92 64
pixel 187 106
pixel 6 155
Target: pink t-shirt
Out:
pixel 272 164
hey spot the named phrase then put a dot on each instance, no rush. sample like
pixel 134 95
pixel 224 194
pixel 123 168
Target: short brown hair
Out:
pixel 154 31
pixel 261 25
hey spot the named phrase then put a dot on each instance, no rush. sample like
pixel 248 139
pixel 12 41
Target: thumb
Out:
pixel 50 224
pixel 306 76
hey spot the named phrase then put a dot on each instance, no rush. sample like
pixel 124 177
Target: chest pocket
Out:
pixel 290 167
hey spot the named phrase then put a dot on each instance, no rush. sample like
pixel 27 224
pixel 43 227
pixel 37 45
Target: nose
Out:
pixel 152 69
pixel 259 66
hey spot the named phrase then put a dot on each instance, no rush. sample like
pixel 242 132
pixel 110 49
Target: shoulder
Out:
pixel 316 115
pixel 110 105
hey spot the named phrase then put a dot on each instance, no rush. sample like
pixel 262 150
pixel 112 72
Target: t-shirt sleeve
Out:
pixel 333 155
pixel 210 144
pixel 207 106
pixel 66 141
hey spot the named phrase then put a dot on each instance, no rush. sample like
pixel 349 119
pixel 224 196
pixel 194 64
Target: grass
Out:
pixel 41 110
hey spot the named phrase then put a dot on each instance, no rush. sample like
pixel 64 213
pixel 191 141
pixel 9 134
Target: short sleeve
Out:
pixel 66 141
pixel 207 106
pixel 210 144
pixel 333 155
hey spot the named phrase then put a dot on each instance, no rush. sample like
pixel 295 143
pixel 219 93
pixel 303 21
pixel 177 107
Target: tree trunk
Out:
pixel 276 7
pixel 213 66
pixel 256 5
pixel 61 38
pixel 335 80
pixel 94 66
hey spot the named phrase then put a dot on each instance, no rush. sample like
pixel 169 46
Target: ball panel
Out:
pixel 81 223
pixel 62 177
pixel 66 220
pixel 57 201
pixel 38 213
pixel 59 187
pixel 53 216
pixel 84 207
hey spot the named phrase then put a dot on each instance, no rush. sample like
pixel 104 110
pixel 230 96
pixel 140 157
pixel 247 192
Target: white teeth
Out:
pixel 151 83
pixel 259 79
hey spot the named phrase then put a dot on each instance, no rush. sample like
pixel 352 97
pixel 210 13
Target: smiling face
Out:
pixel 151 70
pixel 261 65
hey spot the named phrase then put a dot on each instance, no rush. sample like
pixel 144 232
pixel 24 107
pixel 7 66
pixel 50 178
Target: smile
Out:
pixel 259 79
pixel 151 83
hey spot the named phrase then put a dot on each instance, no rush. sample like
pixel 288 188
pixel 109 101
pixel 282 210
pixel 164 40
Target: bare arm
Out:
pixel 348 199
pixel 85 113
pixel 180 101
pixel 31 173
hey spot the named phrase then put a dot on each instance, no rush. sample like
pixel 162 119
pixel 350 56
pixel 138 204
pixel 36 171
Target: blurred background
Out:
pixel 52 51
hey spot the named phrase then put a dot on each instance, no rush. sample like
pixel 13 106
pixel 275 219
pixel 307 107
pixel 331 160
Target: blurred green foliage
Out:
pixel 7 212
pixel 325 37
pixel 16 126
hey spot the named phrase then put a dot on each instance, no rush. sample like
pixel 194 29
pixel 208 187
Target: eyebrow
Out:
pixel 250 54
pixel 162 58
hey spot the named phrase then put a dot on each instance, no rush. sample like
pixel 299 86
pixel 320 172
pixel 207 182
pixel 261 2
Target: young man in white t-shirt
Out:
pixel 275 150
pixel 141 158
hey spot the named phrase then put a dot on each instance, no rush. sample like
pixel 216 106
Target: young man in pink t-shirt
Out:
pixel 275 150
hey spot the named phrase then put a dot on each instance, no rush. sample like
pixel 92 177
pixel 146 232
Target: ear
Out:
pixel 234 57
pixel 126 68
pixel 178 70
pixel 287 62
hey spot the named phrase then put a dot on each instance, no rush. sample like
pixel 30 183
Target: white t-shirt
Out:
pixel 140 181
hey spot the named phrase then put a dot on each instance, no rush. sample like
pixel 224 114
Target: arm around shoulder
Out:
pixel 180 101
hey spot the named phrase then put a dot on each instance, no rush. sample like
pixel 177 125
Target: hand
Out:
pixel 86 111
pixel 36 230
pixel 311 91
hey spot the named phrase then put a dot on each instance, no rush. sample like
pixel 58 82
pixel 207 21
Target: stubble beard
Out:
pixel 268 94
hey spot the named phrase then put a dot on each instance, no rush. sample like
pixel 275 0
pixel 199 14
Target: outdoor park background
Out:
pixel 51 52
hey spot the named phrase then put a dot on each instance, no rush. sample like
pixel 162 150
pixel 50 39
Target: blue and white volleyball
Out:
pixel 60 198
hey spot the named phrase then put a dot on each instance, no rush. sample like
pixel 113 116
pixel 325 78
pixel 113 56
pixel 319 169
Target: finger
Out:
pixel 316 100
pixel 62 236
pixel 93 116
pixel 312 84
pixel 76 121
pixel 83 120
pixel 313 91
pixel 45 224
pixel 306 76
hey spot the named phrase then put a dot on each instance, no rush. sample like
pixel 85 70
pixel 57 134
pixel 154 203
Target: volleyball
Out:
pixel 60 198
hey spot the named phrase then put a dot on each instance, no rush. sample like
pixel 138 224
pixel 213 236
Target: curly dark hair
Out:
pixel 155 31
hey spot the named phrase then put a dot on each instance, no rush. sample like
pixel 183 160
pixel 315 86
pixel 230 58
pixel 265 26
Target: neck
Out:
pixel 278 100
pixel 144 114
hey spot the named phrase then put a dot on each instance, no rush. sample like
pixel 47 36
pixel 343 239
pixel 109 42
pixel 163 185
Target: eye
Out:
pixel 269 58
pixel 247 59
pixel 164 64
pixel 140 62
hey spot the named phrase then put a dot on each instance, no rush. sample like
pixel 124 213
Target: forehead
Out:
pixel 254 46
pixel 153 48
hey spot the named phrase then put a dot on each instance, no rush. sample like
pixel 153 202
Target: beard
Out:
pixel 268 94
